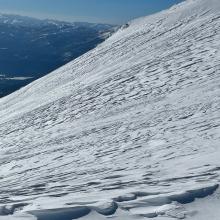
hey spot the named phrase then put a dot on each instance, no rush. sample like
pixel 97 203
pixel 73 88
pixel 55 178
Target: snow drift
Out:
pixel 130 130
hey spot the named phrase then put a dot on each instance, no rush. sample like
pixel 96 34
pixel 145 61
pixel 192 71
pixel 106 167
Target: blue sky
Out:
pixel 103 11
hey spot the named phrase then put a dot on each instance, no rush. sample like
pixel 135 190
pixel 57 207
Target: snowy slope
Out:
pixel 130 130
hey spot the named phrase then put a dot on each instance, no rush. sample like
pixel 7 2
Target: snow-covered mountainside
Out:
pixel 130 130
pixel 31 47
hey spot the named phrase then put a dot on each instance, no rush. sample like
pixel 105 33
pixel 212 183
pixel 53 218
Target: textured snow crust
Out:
pixel 130 130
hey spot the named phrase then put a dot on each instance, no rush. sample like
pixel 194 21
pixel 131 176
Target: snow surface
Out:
pixel 130 130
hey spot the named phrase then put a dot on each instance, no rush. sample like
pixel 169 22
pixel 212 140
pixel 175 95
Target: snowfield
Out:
pixel 130 130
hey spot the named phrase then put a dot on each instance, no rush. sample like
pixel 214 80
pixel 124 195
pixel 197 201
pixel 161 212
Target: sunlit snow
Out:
pixel 130 130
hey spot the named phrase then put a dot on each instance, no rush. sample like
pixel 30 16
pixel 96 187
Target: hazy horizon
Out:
pixel 93 11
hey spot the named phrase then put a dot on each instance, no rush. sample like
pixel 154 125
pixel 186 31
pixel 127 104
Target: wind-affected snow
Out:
pixel 130 130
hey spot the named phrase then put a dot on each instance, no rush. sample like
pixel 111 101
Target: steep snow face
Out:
pixel 130 130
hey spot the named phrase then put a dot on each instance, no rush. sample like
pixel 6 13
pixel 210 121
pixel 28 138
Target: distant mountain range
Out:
pixel 31 48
